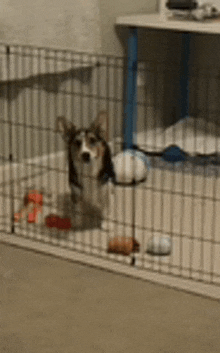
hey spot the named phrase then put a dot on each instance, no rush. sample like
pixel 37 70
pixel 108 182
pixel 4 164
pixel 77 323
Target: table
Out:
pixel 156 21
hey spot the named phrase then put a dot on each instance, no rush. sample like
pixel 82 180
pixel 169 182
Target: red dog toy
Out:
pixel 33 202
pixel 54 221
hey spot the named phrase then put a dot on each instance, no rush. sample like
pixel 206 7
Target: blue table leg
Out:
pixel 130 118
pixel 184 76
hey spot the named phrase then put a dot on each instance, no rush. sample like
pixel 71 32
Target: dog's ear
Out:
pixel 65 128
pixel 100 125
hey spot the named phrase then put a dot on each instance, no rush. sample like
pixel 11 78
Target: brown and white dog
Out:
pixel 89 161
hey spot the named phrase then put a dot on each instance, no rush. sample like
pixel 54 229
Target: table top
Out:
pixel 156 21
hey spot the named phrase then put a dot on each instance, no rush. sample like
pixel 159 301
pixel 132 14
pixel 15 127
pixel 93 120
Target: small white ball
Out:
pixel 210 10
pixel 198 14
pixel 130 165
pixel 159 245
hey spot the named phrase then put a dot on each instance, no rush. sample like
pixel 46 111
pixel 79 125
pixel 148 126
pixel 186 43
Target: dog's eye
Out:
pixel 92 141
pixel 78 143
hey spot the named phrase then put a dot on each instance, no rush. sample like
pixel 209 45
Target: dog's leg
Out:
pixel 106 207
pixel 76 193
pixel 77 206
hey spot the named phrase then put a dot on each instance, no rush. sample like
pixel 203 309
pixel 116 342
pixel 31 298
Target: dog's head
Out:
pixel 86 145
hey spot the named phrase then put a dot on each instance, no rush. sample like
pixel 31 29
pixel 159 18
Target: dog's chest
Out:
pixel 91 190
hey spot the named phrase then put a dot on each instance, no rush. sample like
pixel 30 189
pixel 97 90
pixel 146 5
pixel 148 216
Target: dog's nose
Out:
pixel 86 157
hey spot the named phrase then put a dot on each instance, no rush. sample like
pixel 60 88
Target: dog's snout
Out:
pixel 86 157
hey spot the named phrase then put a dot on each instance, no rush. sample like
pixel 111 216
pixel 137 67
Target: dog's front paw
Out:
pixel 104 225
pixel 107 225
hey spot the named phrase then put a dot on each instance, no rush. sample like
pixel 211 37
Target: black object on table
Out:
pixel 181 5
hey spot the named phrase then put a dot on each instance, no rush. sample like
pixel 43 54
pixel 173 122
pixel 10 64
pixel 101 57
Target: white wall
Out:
pixel 71 24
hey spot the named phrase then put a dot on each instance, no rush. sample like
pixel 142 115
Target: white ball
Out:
pixel 198 14
pixel 130 165
pixel 159 245
pixel 210 10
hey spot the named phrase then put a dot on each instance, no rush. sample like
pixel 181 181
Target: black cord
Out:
pixel 174 150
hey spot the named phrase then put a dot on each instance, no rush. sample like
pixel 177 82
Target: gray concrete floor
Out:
pixel 50 305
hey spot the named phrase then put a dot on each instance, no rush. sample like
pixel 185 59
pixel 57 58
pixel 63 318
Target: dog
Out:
pixel 90 164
